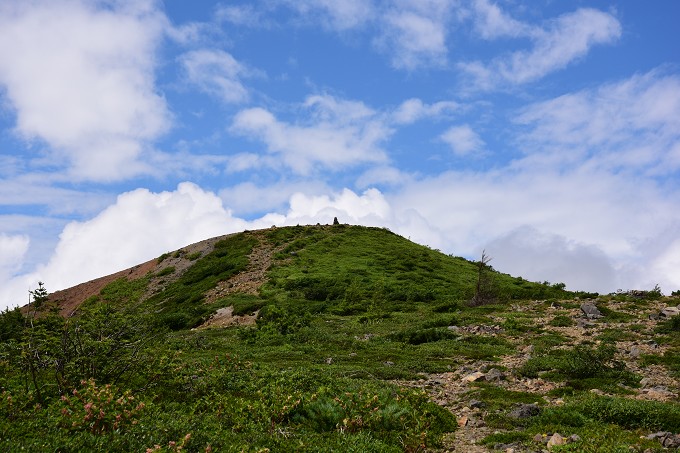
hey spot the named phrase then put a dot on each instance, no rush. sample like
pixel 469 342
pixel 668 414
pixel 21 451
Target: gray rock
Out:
pixel 590 310
pixel 494 375
pixel 525 411
pixel 669 312
pixel 476 404
pixel 667 439
pixel 573 438
pixel 634 351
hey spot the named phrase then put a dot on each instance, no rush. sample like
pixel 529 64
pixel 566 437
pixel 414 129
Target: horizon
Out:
pixel 547 134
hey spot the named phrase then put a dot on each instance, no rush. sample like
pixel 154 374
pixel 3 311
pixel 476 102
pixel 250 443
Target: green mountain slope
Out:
pixel 322 338
pixel 337 269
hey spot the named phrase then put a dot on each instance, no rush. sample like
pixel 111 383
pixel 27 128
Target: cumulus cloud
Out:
pixel 248 198
pixel 337 134
pixel 81 79
pixel 12 251
pixel 462 140
pixel 567 38
pixel 541 257
pixel 217 73
pixel 139 226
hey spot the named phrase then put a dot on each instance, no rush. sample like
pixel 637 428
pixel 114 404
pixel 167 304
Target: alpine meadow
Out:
pixel 335 338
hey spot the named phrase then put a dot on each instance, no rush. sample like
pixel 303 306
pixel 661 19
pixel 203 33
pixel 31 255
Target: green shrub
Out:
pixel 561 321
pixel 582 366
pixel 166 271
pixel 420 336
pixel 629 413
pixel 670 325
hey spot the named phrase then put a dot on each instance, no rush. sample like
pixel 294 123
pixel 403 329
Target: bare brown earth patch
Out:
pixel 225 317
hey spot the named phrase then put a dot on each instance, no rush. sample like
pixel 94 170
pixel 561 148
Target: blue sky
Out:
pixel 546 133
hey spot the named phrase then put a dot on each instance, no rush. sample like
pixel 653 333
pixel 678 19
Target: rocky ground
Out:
pixel 455 390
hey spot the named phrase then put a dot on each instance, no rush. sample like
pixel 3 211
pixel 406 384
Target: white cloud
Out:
pixel 567 38
pixel 333 14
pixel 369 208
pixel 217 73
pixel 412 110
pixel 246 15
pixel 139 226
pixel 541 257
pixel 338 134
pixel 12 251
pixel 383 174
pixel 632 125
pixel 248 198
pixel 462 140
pixel 81 79
pixel 414 33
pixel 491 22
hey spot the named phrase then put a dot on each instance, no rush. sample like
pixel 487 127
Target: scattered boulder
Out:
pixel 555 439
pixel 474 377
pixel 476 404
pixel 667 439
pixel 669 312
pixel 335 221
pixel 494 375
pixel 591 311
pixel 525 411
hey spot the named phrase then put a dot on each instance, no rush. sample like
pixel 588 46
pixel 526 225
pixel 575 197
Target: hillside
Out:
pixel 335 338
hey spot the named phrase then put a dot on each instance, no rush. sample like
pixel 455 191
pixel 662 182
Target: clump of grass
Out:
pixel 582 367
pixel 166 271
pixel 561 321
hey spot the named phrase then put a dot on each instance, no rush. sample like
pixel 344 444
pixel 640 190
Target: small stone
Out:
pixel 388 363
pixel 473 377
pixel 329 360
pixel 476 404
pixel 555 440
pixel 462 421
pixel 494 375
pixel 540 438
pixel 634 352
pixel 574 438
pixel 525 411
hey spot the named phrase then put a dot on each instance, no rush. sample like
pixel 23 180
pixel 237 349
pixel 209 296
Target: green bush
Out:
pixel 561 321
pixel 582 366
pixel 627 413
pixel 420 336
